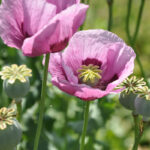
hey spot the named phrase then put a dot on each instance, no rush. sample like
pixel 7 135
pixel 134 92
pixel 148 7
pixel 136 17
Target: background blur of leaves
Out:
pixel 110 125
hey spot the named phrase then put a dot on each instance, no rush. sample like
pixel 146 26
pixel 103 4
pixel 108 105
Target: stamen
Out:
pixel 133 85
pixel 90 74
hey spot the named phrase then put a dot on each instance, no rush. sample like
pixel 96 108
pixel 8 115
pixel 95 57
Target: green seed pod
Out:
pixel 10 136
pixel 16 90
pixel 142 106
pixel 16 83
pixel 127 100
pixel 10 130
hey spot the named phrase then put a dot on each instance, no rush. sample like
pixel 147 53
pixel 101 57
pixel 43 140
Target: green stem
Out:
pixel 132 42
pixel 138 131
pixel 65 147
pixel 85 123
pixel 82 26
pixel 128 20
pixel 110 18
pixel 132 39
pixel 42 102
pixel 140 66
pixel 19 110
pixel 138 22
pixel 88 1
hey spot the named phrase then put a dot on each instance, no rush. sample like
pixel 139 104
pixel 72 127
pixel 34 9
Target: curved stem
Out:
pixel 128 20
pixel 132 40
pixel 42 102
pixel 138 131
pixel 110 19
pixel 140 66
pixel 85 123
pixel 138 21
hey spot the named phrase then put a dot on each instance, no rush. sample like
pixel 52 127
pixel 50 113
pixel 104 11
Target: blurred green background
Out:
pixel 110 126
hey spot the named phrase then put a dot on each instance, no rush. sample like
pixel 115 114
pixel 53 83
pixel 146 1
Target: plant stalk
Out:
pixel 138 22
pixel 128 20
pixel 19 110
pixel 85 123
pixel 138 131
pixel 132 39
pixel 41 104
pixel 110 18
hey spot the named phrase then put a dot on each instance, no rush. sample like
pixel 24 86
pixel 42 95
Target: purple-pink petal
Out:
pixel 96 47
pixel 118 57
pixel 37 27
pixel 11 23
pixel 63 4
pixel 39 43
pixel 87 45
pixel 36 13
pixel 83 92
pixel 70 19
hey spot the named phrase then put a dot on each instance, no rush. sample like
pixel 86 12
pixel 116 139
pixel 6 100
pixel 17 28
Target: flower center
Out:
pixel 90 74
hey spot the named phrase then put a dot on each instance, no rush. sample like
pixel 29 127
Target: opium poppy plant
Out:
pixel 92 65
pixel 40 26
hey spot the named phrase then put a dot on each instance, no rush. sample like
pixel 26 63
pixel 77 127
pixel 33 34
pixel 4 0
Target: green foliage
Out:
pixel 110 125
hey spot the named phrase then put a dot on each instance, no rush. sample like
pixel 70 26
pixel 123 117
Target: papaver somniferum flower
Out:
pixel 92 65
pixel 40 26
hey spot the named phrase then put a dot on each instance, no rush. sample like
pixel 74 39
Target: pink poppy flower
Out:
pixel 92 65
pixel 40 26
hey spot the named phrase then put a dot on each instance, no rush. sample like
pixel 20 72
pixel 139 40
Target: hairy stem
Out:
pixel 41 104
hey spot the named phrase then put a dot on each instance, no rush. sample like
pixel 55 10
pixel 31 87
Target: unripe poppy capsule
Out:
pixel 10 130
pixel 17 89
pixel 128 100
pixel 16 82
pixel 142 106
